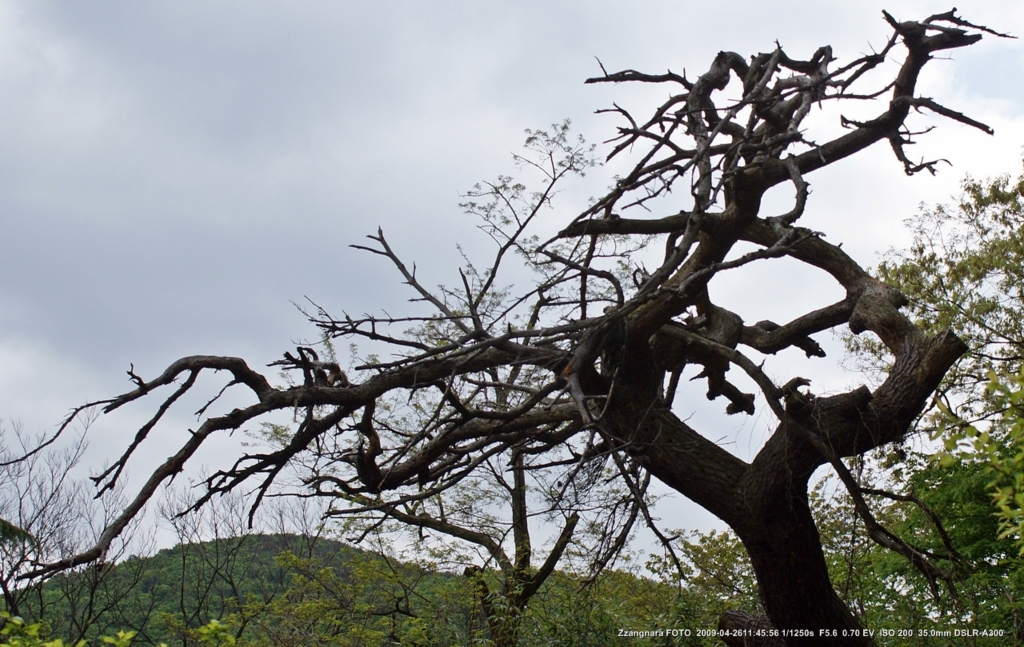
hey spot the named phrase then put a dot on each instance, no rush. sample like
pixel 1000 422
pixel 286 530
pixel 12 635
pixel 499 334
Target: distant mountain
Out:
pixel 295 591
pixel 178 588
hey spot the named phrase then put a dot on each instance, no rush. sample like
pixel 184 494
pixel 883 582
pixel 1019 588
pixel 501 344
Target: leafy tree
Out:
pixel 965 270
pixel 15 632
pixel 882 589
pixel 605 343
pixel 11 533
pixel 1004 451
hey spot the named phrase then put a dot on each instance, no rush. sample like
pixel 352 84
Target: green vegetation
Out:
pixel 888 592
pixel 11 533
pixel 333 595
pixel 965 271
pixel 15 632
pixel 290 591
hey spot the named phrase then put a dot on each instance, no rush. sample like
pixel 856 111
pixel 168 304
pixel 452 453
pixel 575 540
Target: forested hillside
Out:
pixel 291 590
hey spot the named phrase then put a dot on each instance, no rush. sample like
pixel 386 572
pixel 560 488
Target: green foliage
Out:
pixel 1000 447
pixel 888 592
pixel 565 616
pixel 214 634
pixel 15 632
pixel 882 588
pixel 11 533
pixel 337 596
pixel 169 596
pixel 965 271
pixel 1007 458
pixel 362 601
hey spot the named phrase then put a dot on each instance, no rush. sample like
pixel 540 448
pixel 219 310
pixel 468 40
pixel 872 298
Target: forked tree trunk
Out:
pixel 792 576
pixel 766 501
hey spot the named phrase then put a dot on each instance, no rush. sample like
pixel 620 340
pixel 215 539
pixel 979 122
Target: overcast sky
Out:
pixel 173 175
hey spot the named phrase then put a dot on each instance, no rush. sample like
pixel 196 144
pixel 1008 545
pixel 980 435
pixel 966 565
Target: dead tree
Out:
pixel 603 347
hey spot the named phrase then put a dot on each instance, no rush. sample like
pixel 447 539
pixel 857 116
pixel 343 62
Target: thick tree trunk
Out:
pixel 797 593
pixel 766 501
pixel 741 629
pixel 767 506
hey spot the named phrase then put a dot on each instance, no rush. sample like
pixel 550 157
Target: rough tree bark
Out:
pixel 604 385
